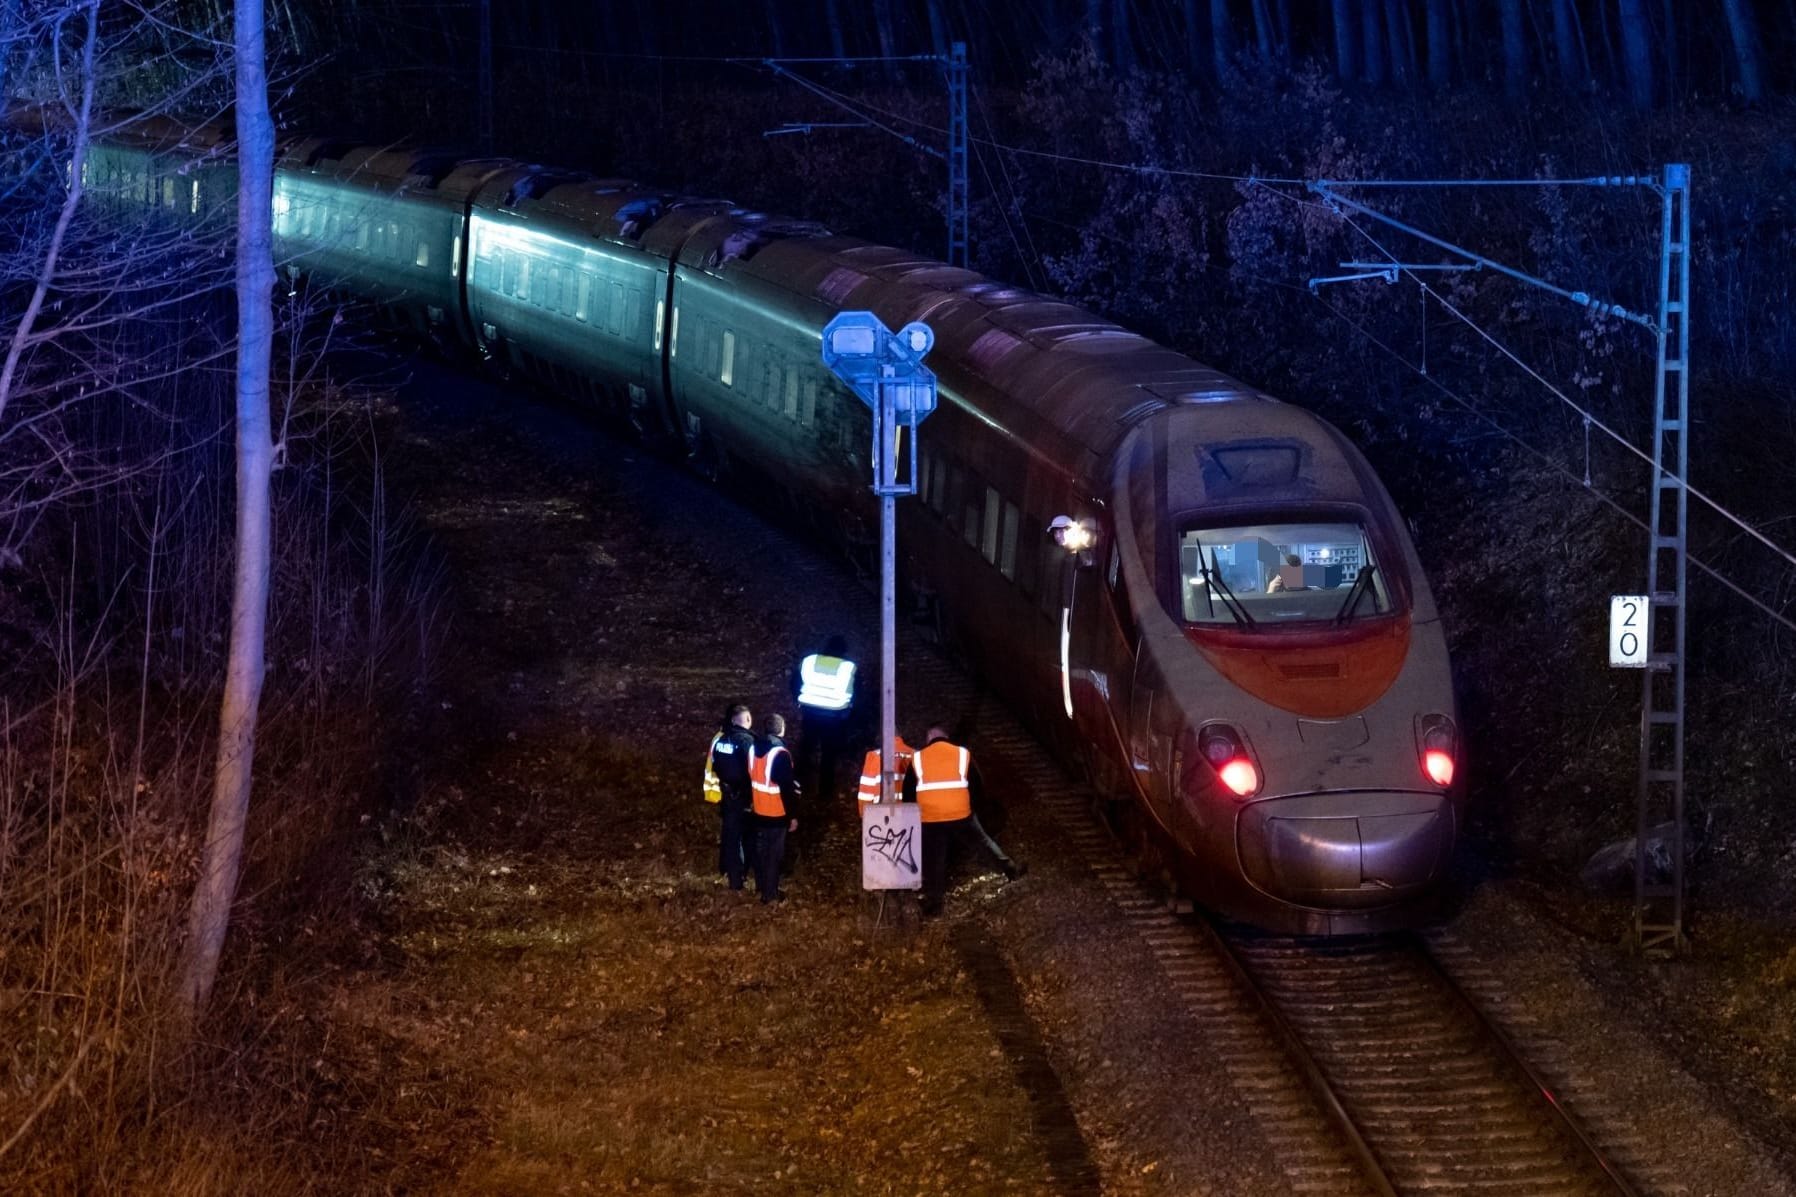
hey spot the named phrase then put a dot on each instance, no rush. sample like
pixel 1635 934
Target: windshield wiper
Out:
pixel 1230 603
pixel 1361 584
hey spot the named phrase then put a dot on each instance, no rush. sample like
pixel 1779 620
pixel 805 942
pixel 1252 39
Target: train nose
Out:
pixel 1345 850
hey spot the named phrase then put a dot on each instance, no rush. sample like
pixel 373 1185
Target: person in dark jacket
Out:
pixel 823 684
pixel 774 792
pixel 731 757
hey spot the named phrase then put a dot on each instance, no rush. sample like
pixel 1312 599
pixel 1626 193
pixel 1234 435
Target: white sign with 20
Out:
pixel 1627 630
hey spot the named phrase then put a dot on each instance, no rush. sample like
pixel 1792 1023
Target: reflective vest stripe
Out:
pixel 826 683
pixel 868 791
pixel 767 799
pixel 942 789
pixel 713 787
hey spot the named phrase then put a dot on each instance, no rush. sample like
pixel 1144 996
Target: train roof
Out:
pixel 1255 455
pixel 1053 375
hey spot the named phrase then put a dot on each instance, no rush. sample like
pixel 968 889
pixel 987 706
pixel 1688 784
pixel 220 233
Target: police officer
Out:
pixel 945 783
pixel 732 754
pixel 823 684
pixel 774 790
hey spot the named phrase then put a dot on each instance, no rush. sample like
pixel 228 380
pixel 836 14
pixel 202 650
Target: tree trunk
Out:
pixel 832 16
pixel 1197 47
pixel 222 853
pixel 776 29
pixel 1262 29
pixel 1743 29
pixel 1515 51
pixel 1371 41
pixel 1636 52
pixel 1093 25
pixel 938 28
pixel 882 24
pixel 1572 70
pixel 1403 47
pixel 1222 37
pixel 1440 44
pixel 1122 38
pixel 1346 39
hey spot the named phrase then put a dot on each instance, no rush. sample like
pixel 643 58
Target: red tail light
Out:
pixel 1439 746
pixel 1226 750
pixel 1240 776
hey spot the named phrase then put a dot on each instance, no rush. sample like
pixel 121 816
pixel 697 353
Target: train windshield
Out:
pixel 1265 575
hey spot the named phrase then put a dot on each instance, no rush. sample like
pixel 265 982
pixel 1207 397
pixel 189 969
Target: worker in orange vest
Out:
pixel 867 793
pixel 775 802
pixel 944 783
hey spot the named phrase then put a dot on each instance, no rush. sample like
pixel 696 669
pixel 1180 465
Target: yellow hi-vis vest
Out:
pixel 942 791
pixel 713 787
pixel 767 800
pixel 868 790
pixel 826 683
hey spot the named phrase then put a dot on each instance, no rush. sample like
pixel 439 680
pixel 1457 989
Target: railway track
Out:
pixel 1365 1065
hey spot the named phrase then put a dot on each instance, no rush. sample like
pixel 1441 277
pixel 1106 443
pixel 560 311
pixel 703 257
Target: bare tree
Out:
pixel 1346 41
pixel 1743 29
pixel 1567 48
pixel 1440 44
pixel 222 853
pixel 1515 50
pixel 1637 51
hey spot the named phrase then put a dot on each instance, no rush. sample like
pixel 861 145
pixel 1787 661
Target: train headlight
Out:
pixel 1226 750
pixel 1437 742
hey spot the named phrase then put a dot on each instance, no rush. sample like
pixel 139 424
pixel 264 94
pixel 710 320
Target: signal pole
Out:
pixel 886 371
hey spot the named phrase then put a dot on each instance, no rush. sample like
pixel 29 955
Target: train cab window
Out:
pixel 990 525
pixel 1007 542
pixel 1266 575
pixel 421 259
pixel 726 373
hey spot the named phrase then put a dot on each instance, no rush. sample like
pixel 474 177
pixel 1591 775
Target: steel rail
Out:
pixel 1314 1078
pixel 1567 1120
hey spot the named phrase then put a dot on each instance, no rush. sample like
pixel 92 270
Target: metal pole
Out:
pixel 1659 905
pixel 885 426
pixel 486 76
pixel 959 185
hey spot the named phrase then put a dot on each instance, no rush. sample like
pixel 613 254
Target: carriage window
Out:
pixel 1263 574
pixel 1007 542
pixel 728 370
pixel 422 258
pixel 971 506
pixel 791 393
pixel 583 296
pixel 616 319
pixel 808 417
pixel 1028 550
pixel 993 506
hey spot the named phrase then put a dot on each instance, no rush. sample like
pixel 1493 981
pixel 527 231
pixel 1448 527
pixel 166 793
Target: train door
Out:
pixel 1098 664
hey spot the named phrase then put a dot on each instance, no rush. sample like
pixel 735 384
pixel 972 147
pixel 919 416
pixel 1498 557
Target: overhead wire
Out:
pixel 1587 415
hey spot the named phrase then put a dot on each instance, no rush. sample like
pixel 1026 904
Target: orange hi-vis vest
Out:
pixel 942 792
pixel 868 791
pixel 767 800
